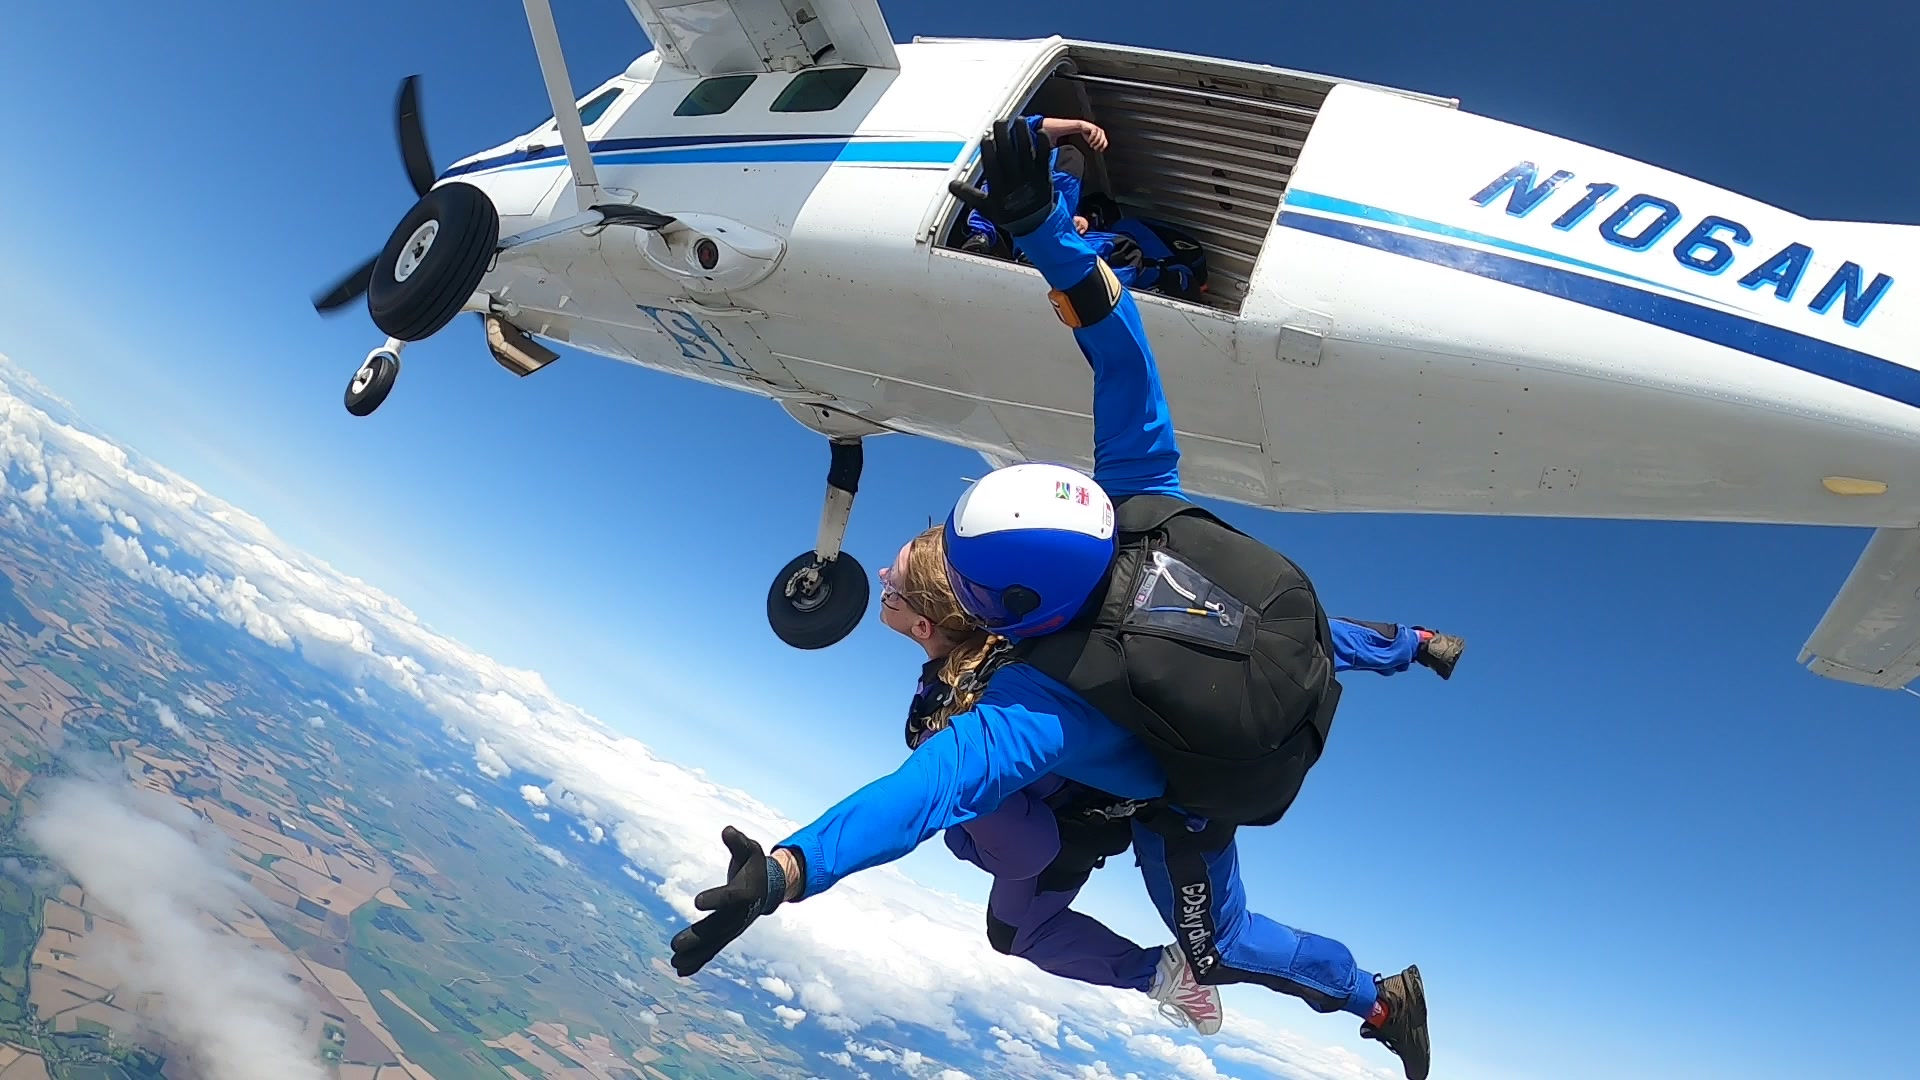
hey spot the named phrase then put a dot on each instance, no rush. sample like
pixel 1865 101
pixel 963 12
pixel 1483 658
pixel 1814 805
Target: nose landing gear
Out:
pixel 374 381
pixel 819 597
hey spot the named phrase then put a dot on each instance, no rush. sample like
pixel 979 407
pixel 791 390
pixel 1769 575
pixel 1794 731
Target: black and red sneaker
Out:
pixel 1405 1032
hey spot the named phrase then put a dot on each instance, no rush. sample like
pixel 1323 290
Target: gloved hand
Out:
pixel 755 886
pixel 1018 169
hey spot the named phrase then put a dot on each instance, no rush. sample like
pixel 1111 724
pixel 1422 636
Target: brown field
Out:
pixel 19 1063
pixel 59 916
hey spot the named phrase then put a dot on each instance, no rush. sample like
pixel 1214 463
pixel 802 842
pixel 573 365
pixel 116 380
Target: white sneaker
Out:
pixel 1182 1000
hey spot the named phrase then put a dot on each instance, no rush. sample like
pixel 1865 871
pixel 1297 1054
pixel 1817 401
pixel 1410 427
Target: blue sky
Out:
pixel 1630 838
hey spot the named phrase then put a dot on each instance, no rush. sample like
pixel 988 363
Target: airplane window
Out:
pixel 714 96
pixel 595 109
pixel 819 90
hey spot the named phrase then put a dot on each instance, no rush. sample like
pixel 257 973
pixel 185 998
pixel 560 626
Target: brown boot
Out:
pixel 1405 1032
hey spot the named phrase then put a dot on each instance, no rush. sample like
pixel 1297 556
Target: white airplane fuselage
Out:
pixel 1411 308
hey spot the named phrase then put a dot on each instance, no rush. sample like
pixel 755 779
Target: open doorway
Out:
pixel 1202 145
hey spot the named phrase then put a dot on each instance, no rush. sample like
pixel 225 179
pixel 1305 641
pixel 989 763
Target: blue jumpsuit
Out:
pixel 1018 840
pixel 1027 725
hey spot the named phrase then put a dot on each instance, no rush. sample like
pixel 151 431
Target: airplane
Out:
pixel 1409 308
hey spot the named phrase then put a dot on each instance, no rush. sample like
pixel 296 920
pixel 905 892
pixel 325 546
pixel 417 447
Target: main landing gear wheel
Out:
pixel 819 597
pixel 373 382
pixel 814 604
pixel 433 262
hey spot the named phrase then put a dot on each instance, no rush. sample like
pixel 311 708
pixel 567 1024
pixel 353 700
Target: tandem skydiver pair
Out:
pixel 1114 636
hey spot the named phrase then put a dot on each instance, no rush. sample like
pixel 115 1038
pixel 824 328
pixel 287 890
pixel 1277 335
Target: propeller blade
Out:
pixel 413 136
pixel 347 289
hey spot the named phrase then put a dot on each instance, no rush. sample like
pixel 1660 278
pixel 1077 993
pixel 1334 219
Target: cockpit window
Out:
pixel 714 96
pixel 819 90
pixel 597 108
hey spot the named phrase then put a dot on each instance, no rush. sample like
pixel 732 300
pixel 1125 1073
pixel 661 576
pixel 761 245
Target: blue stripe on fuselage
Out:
pixel 1851 367
pixel 733 149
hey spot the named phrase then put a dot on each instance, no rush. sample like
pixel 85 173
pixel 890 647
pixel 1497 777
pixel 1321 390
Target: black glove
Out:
pixel 755 886
pixel 1018 169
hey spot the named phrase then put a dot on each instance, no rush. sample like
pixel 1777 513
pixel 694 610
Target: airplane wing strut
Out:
pixel 566 114
pixel 1870 634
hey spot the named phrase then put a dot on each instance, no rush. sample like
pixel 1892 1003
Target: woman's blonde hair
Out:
pixel 925 588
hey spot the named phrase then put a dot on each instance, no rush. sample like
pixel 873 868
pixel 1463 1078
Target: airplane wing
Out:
pixel 1870 634
pixel 737 37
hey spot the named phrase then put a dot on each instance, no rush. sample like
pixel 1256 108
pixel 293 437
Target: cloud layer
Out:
pixel 877 947
pixel 157 869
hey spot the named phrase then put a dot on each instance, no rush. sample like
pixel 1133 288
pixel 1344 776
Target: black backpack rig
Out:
pixel 1210 647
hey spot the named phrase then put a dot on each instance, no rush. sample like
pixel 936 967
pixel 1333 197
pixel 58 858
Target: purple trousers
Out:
pixel 1014 843
pixel 1021 837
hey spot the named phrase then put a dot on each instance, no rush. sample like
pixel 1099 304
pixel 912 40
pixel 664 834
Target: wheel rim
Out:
pixel 361 379
pixel 415 251
pixel 808 590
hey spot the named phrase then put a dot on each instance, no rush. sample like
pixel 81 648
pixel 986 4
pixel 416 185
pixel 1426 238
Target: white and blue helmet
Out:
pixel 1026 545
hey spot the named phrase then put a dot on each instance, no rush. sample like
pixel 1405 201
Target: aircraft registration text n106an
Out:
pixel 1642 220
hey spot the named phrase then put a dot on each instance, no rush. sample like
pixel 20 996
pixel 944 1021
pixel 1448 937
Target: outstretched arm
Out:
pixel 1133 446
pixel 984 755
pixel 1134 449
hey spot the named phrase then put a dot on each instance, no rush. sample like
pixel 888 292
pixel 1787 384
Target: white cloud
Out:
pixel 1189 1059
pixel 164 714
pixel 467 800
pixel 553 855
pixel 1288 1055
pixel 1100 1070
pixel 195 706
pixel 534 796
pixel 1078 1043
pixel 1043 1026
pixel 778 987
pixel 316 722
pixel 590 908
pixel 789 1016
pixel 876 947
pixel 153 865
pixel 489 762
pixel 1250 1056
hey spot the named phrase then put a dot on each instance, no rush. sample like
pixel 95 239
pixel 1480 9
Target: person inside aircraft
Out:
pixel 1143 253
pixel 1068 170
pixel 1044 841
pixel 1140 646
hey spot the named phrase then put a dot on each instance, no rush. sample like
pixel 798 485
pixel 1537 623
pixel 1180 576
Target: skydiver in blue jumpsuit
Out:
pixel 1025 725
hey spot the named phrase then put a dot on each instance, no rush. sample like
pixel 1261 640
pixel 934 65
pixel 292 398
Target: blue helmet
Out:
pixel 1026 545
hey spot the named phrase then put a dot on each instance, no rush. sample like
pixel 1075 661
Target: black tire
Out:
pixel 439 280
pixel 372 382
pixel 827 615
